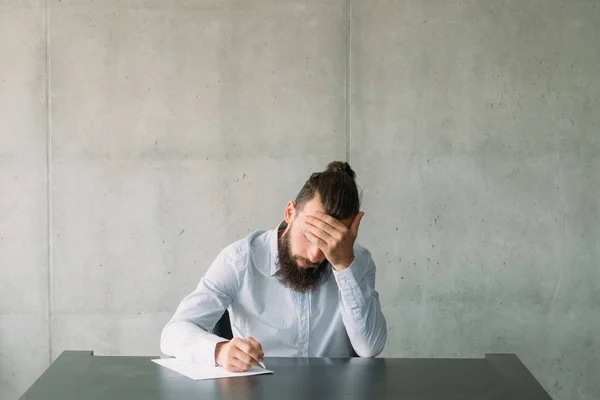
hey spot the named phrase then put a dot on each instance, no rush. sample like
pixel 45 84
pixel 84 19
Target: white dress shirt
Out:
pixel 342 313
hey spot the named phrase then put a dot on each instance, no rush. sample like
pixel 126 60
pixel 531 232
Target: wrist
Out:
pixel 219 350
pixel 342 265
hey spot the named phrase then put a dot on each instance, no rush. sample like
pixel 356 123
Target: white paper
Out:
pixel 199 372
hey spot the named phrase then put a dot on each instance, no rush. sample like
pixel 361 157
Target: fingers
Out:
pixel 256 349
pixel 255 343
pixel 237 365
pixel 321 228
pixel 334 223
pixel 232 358
pixel 331 225
pixel 238 361
pixel 318 232
pixel 251 353
pixel 320 243
pixel 244 357
pixel 237 355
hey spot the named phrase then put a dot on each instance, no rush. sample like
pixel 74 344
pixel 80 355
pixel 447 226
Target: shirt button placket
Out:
pixel 304 331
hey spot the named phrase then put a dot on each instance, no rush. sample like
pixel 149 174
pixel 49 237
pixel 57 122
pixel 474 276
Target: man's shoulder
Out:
pixel 364 258
pixel 360 250
pixel 242 251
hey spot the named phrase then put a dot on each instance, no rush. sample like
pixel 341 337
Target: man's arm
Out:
pixel 354 271
pixel 359 305
pixel 186 336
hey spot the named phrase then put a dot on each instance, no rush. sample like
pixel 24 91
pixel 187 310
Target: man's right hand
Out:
pixel 238 355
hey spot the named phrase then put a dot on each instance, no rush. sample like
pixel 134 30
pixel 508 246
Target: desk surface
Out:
pixel 79 375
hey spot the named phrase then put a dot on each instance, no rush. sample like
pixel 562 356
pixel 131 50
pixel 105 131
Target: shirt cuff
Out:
pixel 350 294
pixel 345 277
pixel 348 285
pixel 204 352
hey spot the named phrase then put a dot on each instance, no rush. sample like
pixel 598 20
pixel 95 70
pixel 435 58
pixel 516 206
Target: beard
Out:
pixel 297 278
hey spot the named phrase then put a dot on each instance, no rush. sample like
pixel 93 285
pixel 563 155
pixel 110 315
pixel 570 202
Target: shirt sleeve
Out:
pixel 360 307
pixel 187 335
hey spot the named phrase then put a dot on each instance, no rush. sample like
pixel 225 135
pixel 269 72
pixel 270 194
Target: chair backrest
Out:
pixel 223 329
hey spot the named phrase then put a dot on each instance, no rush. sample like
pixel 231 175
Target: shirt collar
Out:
pixel 274 246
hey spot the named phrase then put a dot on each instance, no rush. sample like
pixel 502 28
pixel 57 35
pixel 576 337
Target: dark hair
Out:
pixel 336 189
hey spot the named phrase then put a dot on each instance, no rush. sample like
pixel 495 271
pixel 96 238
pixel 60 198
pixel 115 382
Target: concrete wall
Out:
pixel 476 129
pixel 24 345
pixel 174 128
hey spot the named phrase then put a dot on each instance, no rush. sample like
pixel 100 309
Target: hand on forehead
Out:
pixel 321 215
pixel 314 208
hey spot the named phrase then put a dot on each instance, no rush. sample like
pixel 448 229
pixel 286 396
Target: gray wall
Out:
pixel 139 138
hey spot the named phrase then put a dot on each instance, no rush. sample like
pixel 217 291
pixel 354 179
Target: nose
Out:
pixel 315 255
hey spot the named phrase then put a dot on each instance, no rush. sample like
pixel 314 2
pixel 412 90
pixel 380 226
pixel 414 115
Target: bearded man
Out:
pixel 304 289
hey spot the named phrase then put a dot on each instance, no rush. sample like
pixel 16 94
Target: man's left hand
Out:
pixel 333 238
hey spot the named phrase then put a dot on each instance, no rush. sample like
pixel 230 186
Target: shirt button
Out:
pixel 344 281
pixel 302 350
pixel 303 317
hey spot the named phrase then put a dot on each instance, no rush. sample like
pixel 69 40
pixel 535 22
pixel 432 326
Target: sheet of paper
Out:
pixel 199 372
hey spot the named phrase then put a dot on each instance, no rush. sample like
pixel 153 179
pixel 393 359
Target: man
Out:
pixel 305 289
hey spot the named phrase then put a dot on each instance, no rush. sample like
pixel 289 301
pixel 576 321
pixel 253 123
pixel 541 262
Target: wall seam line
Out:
pixel 348 82
pixel 50 299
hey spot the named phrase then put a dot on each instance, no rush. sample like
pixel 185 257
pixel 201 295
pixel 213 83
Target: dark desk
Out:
pixel 79 375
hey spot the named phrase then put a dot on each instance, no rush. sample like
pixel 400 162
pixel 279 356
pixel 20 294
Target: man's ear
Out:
pixel 289 212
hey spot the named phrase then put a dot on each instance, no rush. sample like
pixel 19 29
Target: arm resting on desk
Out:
pixel 186 336
pixel 359 305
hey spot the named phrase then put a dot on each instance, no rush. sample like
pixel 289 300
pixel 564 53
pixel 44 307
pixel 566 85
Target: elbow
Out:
pixel 165 348
pixel 371 352
pixel 377 344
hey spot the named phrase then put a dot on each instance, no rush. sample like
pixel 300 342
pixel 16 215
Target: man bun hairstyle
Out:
pixel 336 188
pixel 339 166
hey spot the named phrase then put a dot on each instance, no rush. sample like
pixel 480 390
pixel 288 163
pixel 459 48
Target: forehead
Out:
pixel 314 205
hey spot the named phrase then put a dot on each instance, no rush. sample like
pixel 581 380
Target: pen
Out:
pixel 237 331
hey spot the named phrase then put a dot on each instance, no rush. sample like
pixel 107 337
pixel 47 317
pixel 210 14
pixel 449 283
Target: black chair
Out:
pixel 223 329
